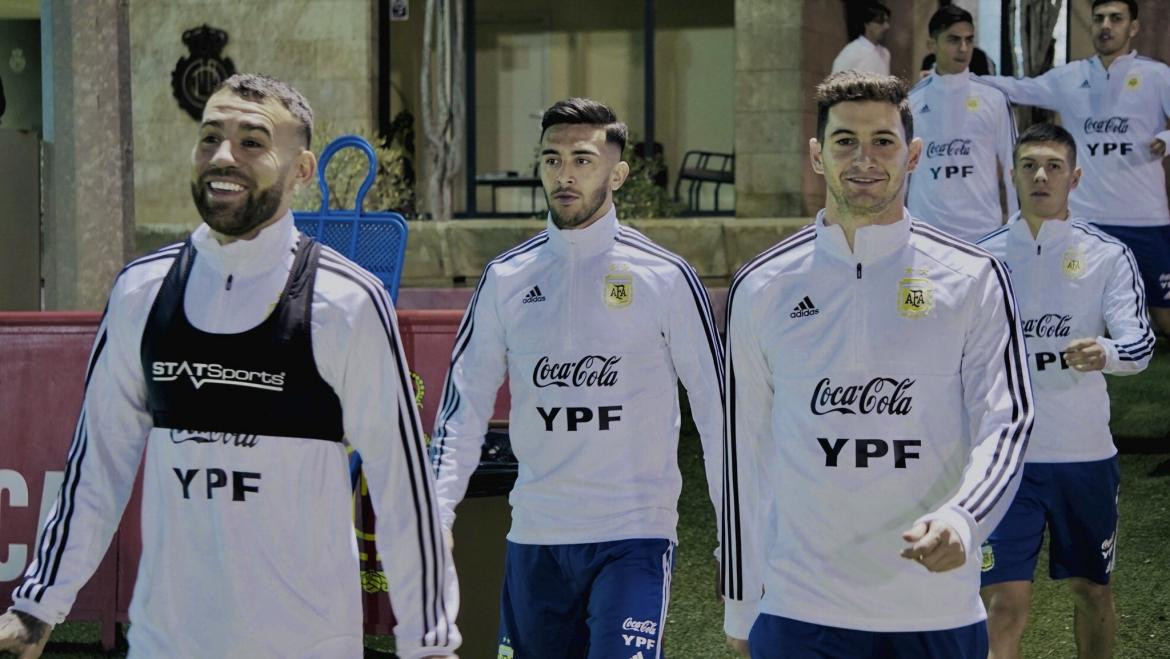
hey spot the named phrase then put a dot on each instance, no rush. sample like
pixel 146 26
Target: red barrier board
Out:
pixel 42 372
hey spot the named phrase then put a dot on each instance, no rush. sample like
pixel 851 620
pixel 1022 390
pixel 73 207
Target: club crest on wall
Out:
pixel 198 75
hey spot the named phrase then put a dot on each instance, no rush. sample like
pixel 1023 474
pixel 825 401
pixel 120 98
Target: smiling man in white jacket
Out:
pixel 594 326
pixel 878 407
pixel 242 358
pixel 1083 308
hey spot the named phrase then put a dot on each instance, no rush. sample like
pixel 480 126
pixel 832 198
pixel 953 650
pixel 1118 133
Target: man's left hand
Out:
pixel 1085 355
pixel 934 544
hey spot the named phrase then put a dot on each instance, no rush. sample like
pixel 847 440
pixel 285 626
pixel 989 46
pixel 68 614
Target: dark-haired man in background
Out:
pixel 878 407
pixel 1074 284
pixel 594 326
pixel 1116 105
pixel 243 357
pixel 866 53
pixel 967 131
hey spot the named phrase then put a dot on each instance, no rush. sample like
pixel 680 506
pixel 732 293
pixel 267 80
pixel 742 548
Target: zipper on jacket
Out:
pixel 228 284
pixel 1037 250
pixel 859 271
pixel 571 280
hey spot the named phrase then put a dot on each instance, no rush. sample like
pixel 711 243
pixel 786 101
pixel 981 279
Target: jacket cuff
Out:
pixel 739 616
pixel 37 611
pixel 1110 354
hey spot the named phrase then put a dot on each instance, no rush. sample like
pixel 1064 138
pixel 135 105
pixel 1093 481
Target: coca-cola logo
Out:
pixel 589 371
pixel 1119 125
pixel 641 626
pixel 1048 326
pixel 878 396
pixel 956 147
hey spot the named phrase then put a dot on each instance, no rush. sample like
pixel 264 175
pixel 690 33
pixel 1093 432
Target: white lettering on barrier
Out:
pixel 17 488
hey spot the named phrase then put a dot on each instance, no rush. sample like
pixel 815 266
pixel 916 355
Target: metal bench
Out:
pixel 700 167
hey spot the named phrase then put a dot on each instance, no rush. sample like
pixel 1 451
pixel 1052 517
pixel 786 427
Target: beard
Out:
pixel 590 206
pixel 237 219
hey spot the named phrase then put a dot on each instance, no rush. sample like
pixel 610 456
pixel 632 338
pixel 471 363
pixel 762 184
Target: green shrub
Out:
pixel 392 189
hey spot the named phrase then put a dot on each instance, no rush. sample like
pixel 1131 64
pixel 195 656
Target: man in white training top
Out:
pixel 1075 284
pixel 967 133
pixel 874 443
pixel 1116 105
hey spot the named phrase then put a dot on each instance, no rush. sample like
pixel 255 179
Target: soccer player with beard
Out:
pixel 871 445
pixel 1116 105
pixel 1075 284
pixel 243 357
pixel 594 326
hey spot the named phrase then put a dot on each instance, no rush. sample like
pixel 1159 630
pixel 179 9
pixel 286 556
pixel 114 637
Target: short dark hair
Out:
pixel 1047 133
pixel 873 11
pixel 846 86
pixel 1131 4
pixel 587 111
pixel 944 18
pixel 257 87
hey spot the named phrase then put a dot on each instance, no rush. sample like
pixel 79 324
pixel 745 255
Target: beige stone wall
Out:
pixel 325 48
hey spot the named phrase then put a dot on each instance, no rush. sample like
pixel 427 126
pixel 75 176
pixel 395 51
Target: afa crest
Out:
pixel 1072 262
pixel 1133 82
pixel 618 289
pixel 972 104
pixel 915 297
pixel 988 557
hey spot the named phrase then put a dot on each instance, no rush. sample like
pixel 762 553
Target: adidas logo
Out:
pixel 925 109
pixel 1085 85
pixel 534 295
pixel 805 308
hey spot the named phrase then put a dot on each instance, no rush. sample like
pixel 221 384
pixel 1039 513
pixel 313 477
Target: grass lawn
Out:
pixel 1141 424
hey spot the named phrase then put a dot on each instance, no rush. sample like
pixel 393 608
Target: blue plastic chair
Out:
pixel 374 240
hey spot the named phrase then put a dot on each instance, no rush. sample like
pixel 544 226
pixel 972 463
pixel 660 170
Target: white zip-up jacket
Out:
pixel 1073 281
pixel 272 572
pixel 868 389
pixel 1114 115
pixel 967 133
pixel 594 329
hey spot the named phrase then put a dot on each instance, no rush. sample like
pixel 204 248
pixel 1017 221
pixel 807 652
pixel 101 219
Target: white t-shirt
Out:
pixel 864 56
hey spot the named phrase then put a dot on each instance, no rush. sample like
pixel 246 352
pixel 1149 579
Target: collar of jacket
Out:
pixel 871 242
pixel 1123 60
pixel 951 81
pixel 1052 232
pixel 244 258
pixel 590 241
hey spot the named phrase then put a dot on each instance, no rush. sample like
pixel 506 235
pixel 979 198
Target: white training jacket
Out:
pixel 967 134
pixel 593 328
pixel 1114 115
pixel 868 389
pixel 1073 281
pixel 276 575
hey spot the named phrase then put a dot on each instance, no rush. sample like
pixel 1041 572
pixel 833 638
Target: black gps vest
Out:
pixel 261 382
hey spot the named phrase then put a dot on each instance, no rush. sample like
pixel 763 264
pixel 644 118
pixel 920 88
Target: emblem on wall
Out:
pixel 16 61
pixel 198 75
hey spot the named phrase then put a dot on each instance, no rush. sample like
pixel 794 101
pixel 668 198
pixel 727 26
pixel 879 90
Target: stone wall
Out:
pixel 325 48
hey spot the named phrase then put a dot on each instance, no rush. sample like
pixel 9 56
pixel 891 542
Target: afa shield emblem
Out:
pixel 915 297
pixel 618 289
pixel 1072 262
pixel 988 558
